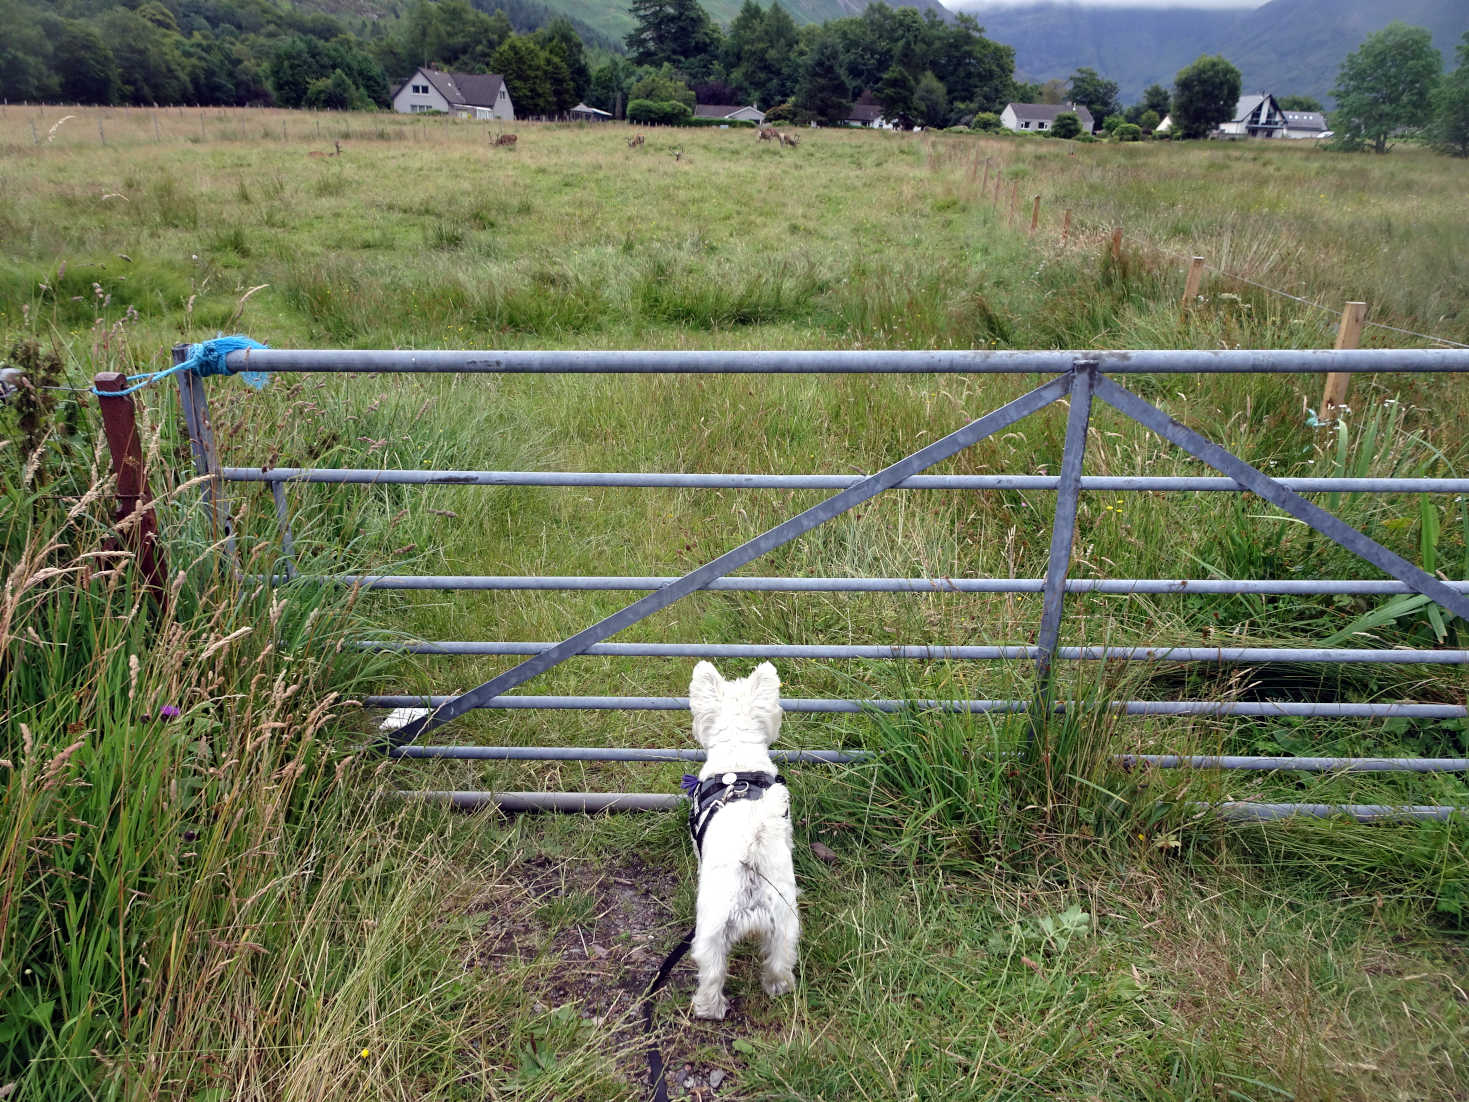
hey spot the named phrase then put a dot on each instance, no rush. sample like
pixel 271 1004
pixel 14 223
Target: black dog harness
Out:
pixel 706 797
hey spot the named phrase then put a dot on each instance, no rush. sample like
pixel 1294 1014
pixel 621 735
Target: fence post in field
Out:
pixel 157 137
pixel 1066 229
pixel 35 137
pixel 1035 213
pixel 1117 244
pixel 1191 285
pixel 119 419
pixel 101 137
pixel 1348 333
pixel 984 186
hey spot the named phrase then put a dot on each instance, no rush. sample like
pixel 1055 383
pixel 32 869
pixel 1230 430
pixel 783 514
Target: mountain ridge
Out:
pixel 1288 47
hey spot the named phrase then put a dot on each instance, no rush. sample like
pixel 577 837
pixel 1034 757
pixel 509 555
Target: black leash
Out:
pixel 656 1081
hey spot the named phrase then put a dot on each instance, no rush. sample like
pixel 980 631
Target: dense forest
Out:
pixel 268 53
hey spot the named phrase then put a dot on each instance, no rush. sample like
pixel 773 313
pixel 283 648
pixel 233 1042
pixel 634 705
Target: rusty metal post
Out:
pixel 1066 229
pixel 119 419
pixel 1035 213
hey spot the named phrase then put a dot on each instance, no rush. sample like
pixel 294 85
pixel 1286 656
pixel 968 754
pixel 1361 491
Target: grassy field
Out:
pixel 223 904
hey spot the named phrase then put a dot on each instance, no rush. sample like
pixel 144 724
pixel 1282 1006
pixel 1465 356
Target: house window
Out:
pixel 1042 126
pixel 420 89
pixel 1025 126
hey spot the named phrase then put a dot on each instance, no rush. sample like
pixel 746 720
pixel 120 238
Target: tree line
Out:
pixel 239 53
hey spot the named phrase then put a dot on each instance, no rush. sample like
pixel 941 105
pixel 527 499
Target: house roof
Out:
pixel 587 109
pixel 1305 120
pixel 718 110
pixel 1247 104
pixel 1047 112
pixel 864 112
pixel 466 89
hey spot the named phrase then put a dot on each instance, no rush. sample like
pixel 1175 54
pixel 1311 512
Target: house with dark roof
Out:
pixel 729 112
pixel 1305 124
pixel 867 112
pixel 1031 118
pixel 1255 116
pixel 583 112
pixel 469 95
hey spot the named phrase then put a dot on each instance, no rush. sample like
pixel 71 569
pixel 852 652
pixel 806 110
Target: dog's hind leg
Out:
pixel 710 951
pixel 779 940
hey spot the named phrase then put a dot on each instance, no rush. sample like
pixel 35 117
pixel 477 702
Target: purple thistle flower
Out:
pixel 168 711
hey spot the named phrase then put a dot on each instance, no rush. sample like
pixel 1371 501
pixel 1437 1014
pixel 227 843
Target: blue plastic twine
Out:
pixel 204 359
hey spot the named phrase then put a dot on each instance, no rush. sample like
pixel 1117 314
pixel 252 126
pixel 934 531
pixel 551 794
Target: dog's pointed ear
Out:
pixel 765 697
pixel 706 688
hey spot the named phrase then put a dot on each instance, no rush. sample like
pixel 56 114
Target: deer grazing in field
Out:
pixel 786 139
pixel 768 134
pixel 505 139
pixel 319 153
pixel 635 141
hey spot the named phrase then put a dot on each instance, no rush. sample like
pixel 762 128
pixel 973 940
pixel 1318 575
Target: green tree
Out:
pixel 895 93
pixel 987 122
pixel 673 32
pixel 1148 120
pixel 663 85
pixel 564 46
pixel 822 90
pixel 1156 98
pixel 87 68
pixel 1450 130
pixel 1111 123
pixel 931 100
pixel 1094 92
pixel 1067 125
pixel 1385 86
pixel 1204 95
pixel 523 65
pixel 335 93
pixel 610 85
pixel 150 60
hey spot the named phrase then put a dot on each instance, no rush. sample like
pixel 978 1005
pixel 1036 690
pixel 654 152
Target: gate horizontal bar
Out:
pixel 842 757
pixel 1240 811
pixel 1303 765
pixel 1110 586
pixel 1126 707
pixel 595 802
pixel 587 802
pixel 661 480
pixel 938 652
pixel 610 753
pixel 1203 362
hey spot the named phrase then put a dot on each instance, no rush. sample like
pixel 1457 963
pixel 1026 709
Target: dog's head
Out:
pixel 747 710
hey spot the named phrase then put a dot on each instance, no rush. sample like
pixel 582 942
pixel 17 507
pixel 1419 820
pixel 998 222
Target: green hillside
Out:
pixel 1285 46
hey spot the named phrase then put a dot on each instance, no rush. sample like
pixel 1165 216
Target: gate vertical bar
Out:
pixel 1063 535
pixel 206 454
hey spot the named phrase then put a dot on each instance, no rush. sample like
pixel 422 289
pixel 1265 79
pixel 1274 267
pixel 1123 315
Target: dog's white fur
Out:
pixel 747 884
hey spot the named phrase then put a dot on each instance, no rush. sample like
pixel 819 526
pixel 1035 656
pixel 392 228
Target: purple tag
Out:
pixel 689 783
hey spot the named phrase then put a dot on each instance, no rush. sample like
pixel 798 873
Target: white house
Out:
pixel 1255 116
pixel 1305 124
pixel 469 95
pixel 729 113
pixel 1035 117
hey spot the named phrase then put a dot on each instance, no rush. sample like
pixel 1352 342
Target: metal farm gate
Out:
pixel 1078 378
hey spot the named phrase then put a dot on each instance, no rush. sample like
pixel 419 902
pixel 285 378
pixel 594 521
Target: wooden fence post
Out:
pixel 984 187
pixel 119 419
pixel 1066 229
pixel 1348 333
pixel 1035 213
pixel 1117 244
pixel 1191 285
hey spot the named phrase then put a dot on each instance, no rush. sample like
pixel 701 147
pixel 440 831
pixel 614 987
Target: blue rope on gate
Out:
pixel 204 359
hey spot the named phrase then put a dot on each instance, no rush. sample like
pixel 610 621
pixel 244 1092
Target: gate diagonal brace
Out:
pixel 1268 489
pixel 781 534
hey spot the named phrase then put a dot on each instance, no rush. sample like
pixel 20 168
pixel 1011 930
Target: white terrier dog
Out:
pixel 741 824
